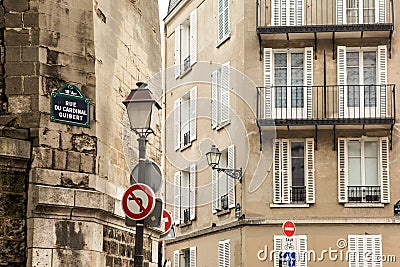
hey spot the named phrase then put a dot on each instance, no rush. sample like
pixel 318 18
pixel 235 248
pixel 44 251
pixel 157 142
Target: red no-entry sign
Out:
pixel 166 220
pixel 288 228
pixel 138 201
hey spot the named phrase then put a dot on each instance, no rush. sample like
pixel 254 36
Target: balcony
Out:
pixel 326 105
pixel 298 194
pixel 324 19
pixel 364 194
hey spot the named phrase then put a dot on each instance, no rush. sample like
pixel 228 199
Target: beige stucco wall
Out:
pixel 242 51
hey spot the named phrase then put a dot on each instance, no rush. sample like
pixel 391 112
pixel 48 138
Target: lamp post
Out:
pixel 213 156
pixel 142 112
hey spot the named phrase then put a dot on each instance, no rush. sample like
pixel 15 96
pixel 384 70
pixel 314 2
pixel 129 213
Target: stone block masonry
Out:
pixel 14 156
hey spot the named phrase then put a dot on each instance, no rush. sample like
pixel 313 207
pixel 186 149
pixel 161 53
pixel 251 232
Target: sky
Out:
pixel 163 5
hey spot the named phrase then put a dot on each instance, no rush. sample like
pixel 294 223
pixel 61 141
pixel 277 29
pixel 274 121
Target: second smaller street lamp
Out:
pixel 213 156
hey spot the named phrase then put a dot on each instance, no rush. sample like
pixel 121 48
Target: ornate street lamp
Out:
pixel 213 156
pixel 143 114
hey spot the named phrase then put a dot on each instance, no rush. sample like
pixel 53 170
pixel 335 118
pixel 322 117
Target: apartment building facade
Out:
pixel 301 95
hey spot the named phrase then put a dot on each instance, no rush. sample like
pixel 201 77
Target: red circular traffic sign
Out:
pixel 138 201
pixel 167 221
pixel 288 228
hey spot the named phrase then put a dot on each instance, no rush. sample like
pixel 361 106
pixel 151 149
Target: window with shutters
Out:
pixel 293 171
pixel 185 195
pixel 185 257
pixel 223 21
pixel 362 82
pixel 220 90
pixel 223 186
pixel 364 250
pixel 185 113
pixel 290 251
pixel 361 11
pixel 288 80
pixel 363 170
pixel 186 45
pixel 224 251
pixel 287 12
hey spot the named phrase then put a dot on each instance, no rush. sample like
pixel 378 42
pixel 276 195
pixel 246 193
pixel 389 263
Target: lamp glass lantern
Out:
pixel 142 108
pixel 213 156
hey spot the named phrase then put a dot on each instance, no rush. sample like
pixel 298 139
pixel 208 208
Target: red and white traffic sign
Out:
pixel 166 221
pixel 288 228
pixel 138 201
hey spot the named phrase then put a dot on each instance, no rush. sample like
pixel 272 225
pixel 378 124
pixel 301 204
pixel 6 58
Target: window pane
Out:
pixel 280 97
pixel 371 171
pixel 280 60
pixel 355 171
pixel 297 162
pixel 297 76
pixel 371 149
pixel 297 60
pixel 297 97
pixel 354 148
pixel 185 190
pixel 352 59
pixel 281 77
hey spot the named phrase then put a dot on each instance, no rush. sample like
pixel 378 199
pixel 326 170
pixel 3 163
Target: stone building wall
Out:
pixel 70 201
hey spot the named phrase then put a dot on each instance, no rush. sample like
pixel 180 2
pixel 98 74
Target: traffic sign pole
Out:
pixel 138 258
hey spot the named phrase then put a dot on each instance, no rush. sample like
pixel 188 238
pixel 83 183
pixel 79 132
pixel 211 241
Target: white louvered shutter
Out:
pixel 177 124
pixel 309 58
pixel 267 83
pixel 384 169
pixel 177 51
pixel 227 253
pixel 220 19
pixel 342 170
pixel 192 191
pixel 341 80
pixel 285 156
pixel 382 11
pixel 193 37
pixel 215 199
pixel 377 250
pixel 231 181
pixel 302 250
pixel 352 250
pixel 299 12
pixel 309 167
pixel 341 12
pixel 177 198
pixel 361 249
pixel 193 256
pixel 292 12
pixel 275 13
pixel 283 13
pixel 221 250
pixel 277 250
pixel 226 18
pixel 382 76
pixel 214 100
pixel 225 76
pixel 193 114
pixel 176 258
pixel 277 172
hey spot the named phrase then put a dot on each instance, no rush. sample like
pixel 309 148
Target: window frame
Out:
pixel 224 251
pixel 224 23
pixel 285 198
pixel 190 125
pixel 383 173
pixel 356 242
pixel 179 208
pixel 220 97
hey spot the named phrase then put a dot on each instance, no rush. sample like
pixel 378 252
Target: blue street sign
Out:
pixel 289 259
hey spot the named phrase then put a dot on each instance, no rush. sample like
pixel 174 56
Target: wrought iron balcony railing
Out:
pixel 278 16
pixel 326 105
pixel 186 64
pixel 186 215
pixel 361 194
pixel 298 194
pixel 224 202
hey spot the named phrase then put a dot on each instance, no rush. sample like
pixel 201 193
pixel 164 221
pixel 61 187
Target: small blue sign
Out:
pixel 289 258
